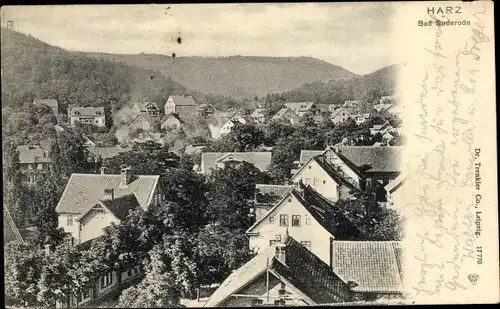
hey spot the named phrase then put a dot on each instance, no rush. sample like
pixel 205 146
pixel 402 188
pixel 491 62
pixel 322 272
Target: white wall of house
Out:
pixel 226 128
pixel 170 122
pixel 95 120
pixel 69 224
pixel 308 230
pixel 93 223
pixel 107 283
pixel 334 159
pixel 312 174
pixel 169 106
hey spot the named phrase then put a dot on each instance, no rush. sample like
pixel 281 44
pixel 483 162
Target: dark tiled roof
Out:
pixel 174 116
pixel 121 206
pixel 49 102
pixel 183 100
pixel 302 269
pixel 299 106
pixel 82 190
pixel 151 120
pixel 330 170
pixel 270 194
pixel 261 160
pixel 32 154
pixel 143 104
pixel 382 159
pixel 87 111
pixel 10 231
pixel 283 112
pixel 376 266
pixel 326 213
pixel 306 155
pixel 310 274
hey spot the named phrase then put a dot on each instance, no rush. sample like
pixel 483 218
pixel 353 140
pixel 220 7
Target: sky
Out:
pixel 355 36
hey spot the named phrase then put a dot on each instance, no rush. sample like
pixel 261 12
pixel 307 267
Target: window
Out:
pixel 129 272
pixel 295 220
pixel 271 219
pixel 308 221
pixel 324 181
pixel 69 220
pixel 283 220
pixel 106 280
pixel 306 244
pixel 309 167
pixel 40 166
pixel 368 183
pixel 257 302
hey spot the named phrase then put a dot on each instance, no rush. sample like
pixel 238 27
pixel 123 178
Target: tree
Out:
pixel 219 251
pixel 230 196
pixel 22 272
pixel 158 289
pixel 69 154
pixel 375 222
pixel 12 187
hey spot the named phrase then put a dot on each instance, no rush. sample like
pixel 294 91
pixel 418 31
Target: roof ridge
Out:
pixel 93 175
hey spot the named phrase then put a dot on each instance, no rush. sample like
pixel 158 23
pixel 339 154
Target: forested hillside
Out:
pixel 367 89
pixel 236 76
pixel 33 69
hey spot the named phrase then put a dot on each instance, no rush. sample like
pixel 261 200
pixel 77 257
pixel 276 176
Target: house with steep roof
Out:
pixel 143 122
pixel 266 196
pixel 340 115
pixel 395 192
pixel 258 115
pixel 374 269
pixel 308 217
pixel 286 114
pixel 84 191
pixel 87 115
pixel 375 166
pixel 183 105
pixel 219 160
pixel 381 129
pixel 206 110
pixel 52 103
pixel 171 122
pixel 229 124
pixel 284 274
pixel 301 108
pixel 33 161
pixel 334 180
pixel 150 109
pixel 106 152
pixel 361 118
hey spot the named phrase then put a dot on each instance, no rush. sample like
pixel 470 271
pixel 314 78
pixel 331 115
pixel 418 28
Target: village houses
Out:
pixel 361 118
pixel 218 160
pixel 171 122
pixel 340 115
pixel 395 192
pixel 183 105
pixel 287 273
pixel 87 115
pixel 150 109
pixel 266 196
pixel 144 123
pixel 230 123
pixel 285 114
pixel 301 108
pixel 258 115
pixel 301 213
pixel 33 161
pixel 52 103
pixel 206 110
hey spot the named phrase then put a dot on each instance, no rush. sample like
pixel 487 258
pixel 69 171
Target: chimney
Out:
pixel 281 253
pixel 109 193
pixel 126 175
pixel 103 170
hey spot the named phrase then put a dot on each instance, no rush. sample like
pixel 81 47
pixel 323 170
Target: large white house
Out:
pixel 304 214
pixel 87 115
pixel 228 126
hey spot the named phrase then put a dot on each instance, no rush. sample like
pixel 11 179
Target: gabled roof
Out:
pixel 142 105
pixel 183 100
pixel 49 102
pixel 299 106
pixel 376 266
pixel 172 116
pixel 257 113
pixel 306 155
pixel 330 170
pixel 283 111
pixel 261 160
pixel 32 154
pixel 190 149
pixel 10 231
pixel 380 126
pixel 84 189
pixel 267 194
pixel 87 111
pixel 118 207
pixel 302 270
pixel 107 152
pixel 381 159
pixel 236 119
pixel 145 117
pixel 321 209
pixel 338 111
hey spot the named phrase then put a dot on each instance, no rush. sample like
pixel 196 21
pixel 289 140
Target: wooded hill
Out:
pixel 236 76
